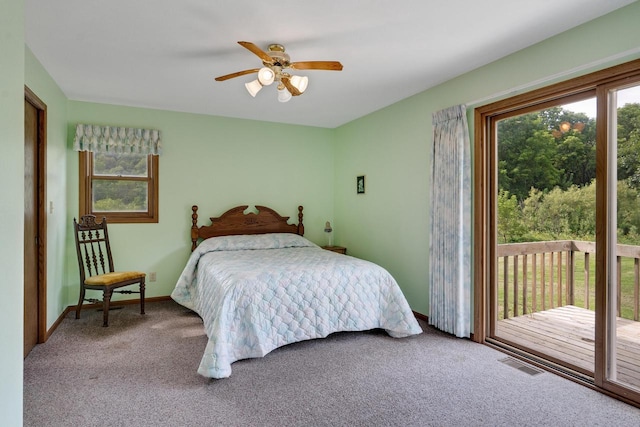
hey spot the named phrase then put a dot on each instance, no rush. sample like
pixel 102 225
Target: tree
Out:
pixel 510 224
pixel 560 214
pixel 512 135
pixel 628 215
pixel 629 144
pixel 528 163
pixel 577 159
pixel 546 175
pixel 535 151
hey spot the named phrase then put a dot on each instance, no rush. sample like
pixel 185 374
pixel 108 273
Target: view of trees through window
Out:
pixel 546 176
pixel 546 192
pixel 119 182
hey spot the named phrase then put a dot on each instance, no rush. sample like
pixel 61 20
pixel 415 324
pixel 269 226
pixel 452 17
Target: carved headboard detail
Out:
pixel 235 221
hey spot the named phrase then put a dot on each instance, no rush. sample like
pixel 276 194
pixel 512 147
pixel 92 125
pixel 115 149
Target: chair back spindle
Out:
pixel 93 247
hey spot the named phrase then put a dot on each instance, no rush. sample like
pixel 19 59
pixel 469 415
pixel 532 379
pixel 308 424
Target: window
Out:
pixel 118 172
pixel 122 188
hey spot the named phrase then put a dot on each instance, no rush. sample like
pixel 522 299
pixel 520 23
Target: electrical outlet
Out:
pixel 152 276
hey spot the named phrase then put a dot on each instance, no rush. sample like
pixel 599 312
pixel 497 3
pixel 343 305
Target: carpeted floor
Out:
pixel 141 371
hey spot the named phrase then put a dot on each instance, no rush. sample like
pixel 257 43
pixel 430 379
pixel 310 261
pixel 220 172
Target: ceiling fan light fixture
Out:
pixel 283 94
pixel 300 82
pixel 266 76
pixel 276 64
pixel 253 87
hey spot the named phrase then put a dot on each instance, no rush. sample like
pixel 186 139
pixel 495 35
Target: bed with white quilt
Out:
pixel 258 285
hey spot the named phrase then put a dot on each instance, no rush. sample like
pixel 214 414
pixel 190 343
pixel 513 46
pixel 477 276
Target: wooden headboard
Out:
pixel 235 221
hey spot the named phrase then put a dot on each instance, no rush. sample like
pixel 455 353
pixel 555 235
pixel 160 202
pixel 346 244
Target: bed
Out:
pixel 258 284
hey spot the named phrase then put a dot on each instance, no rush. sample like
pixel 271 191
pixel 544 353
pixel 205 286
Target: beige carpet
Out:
pixel 141 371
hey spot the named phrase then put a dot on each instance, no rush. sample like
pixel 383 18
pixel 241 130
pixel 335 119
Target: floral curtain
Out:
pixel 450 249
pixel 117 140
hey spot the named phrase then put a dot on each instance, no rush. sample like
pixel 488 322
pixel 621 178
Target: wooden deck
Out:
pixel 567 334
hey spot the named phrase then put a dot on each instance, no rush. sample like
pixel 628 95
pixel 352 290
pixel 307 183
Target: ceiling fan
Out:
pixel 275 65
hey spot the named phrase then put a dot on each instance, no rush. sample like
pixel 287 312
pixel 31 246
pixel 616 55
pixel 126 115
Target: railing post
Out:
pixel 618 283
pixel 636 281
pixel 534 288
pixel 524 284
pixel 515 286
pixel 505 288
pixel 552 282
pixel 570 276
pixel 544 282
pixel 587 267
pixel 560 304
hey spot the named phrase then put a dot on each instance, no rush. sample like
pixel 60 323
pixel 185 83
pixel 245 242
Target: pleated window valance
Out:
pixel 117 140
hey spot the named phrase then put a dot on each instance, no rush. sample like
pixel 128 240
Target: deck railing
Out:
pixel 537 276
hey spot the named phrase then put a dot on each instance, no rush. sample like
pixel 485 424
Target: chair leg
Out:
pixel 142 286
pixel 106 299
pixel 80 301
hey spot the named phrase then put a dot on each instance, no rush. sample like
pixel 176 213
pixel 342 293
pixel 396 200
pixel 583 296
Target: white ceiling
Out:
pixel 164 54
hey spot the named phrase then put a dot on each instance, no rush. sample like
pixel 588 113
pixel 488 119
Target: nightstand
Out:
pixel 338 249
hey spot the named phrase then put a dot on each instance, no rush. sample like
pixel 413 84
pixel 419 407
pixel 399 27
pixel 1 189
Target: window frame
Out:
pixel 86 192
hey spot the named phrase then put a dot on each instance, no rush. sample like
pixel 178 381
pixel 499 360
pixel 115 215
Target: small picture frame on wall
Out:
pixel 360 184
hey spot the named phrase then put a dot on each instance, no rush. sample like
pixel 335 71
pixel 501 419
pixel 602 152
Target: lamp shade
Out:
pixel 328 230
pixel 283 95
pixel 300 82
pixel 266 76
pixel 253 87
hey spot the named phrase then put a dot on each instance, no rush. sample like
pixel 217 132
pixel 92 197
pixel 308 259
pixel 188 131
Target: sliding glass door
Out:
pixel 557 219
pixel 546 230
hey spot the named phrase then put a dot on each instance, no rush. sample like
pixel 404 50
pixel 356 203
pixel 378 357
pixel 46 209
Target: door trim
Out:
pixel 41 168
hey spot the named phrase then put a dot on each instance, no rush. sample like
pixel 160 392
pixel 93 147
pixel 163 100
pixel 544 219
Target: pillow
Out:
pixel 254 241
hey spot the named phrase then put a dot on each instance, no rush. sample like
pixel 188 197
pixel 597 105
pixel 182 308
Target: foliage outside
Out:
pixel 127 194
pixel 546 189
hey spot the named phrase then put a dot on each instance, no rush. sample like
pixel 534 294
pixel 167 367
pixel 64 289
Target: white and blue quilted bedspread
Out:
pixel 257 293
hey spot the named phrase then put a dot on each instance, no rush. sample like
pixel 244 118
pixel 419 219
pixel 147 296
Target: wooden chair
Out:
pixel 96 272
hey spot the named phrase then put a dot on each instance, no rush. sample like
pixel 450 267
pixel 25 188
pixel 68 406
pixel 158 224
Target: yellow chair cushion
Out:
pixel 115 277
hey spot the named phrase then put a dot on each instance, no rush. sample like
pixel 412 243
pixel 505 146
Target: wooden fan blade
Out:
pixel 317 65
pixel 291 88
pixel 257 51
pixel 236 74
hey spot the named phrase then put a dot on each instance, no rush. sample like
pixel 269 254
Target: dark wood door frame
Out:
pixel 41 168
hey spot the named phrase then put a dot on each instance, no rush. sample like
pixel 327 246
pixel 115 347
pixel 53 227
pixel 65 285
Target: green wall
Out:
pixel 216 163
pixel 392 147
pixel 39 81
pixel 11 208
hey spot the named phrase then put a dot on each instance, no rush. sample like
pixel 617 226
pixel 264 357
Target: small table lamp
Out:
pixel 328 230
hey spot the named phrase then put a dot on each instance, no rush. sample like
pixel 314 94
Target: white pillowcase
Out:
pixel 254 241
